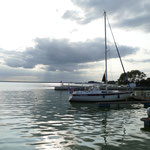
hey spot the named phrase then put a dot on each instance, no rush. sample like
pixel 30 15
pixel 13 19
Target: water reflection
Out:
pixel 44 119
pixel 85 125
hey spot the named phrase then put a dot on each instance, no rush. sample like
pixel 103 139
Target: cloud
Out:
pixel 138 61
pixel 62 55
pixel 73 15
pixel 129 14
pixel 15 74
pixel 139 22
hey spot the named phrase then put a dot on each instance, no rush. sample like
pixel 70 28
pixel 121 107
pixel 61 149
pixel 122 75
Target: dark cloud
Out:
pixel 129 14
pixel 62 55
pixel 139 22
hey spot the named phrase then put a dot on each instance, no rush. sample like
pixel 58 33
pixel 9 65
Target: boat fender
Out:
pixel 148 112
pixel 147 120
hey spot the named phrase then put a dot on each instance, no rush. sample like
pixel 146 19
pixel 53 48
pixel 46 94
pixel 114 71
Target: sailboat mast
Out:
pixel 126 77
pixel 105 49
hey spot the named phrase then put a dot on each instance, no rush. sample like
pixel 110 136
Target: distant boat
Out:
pixel 62 86
pixel 97 95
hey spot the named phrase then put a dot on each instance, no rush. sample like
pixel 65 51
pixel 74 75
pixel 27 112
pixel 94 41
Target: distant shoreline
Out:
pixel 29 81
pixel 120 88
pixel 44 82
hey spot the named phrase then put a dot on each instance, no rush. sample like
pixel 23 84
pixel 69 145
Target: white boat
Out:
pixel 97 95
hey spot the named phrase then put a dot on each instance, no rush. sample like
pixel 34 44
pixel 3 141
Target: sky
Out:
pixel 63 40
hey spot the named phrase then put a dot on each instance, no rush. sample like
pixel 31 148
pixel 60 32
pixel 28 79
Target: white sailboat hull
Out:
pixel 100 97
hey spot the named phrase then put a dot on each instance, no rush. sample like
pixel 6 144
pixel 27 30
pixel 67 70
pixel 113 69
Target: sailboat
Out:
pixel 97 95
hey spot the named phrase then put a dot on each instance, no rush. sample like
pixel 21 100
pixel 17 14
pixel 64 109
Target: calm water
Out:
pixel 33 116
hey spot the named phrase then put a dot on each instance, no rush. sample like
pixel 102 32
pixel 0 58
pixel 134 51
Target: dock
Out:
pixel 133 100
pixel 73 87
pixel 80 87
pixel 67 88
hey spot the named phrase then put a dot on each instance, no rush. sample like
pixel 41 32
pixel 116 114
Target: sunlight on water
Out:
pixel 36 117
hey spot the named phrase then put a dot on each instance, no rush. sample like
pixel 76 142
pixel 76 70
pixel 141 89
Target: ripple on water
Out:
pixel 44 119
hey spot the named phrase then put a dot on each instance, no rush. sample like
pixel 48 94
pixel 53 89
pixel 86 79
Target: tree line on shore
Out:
pixel 133 76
